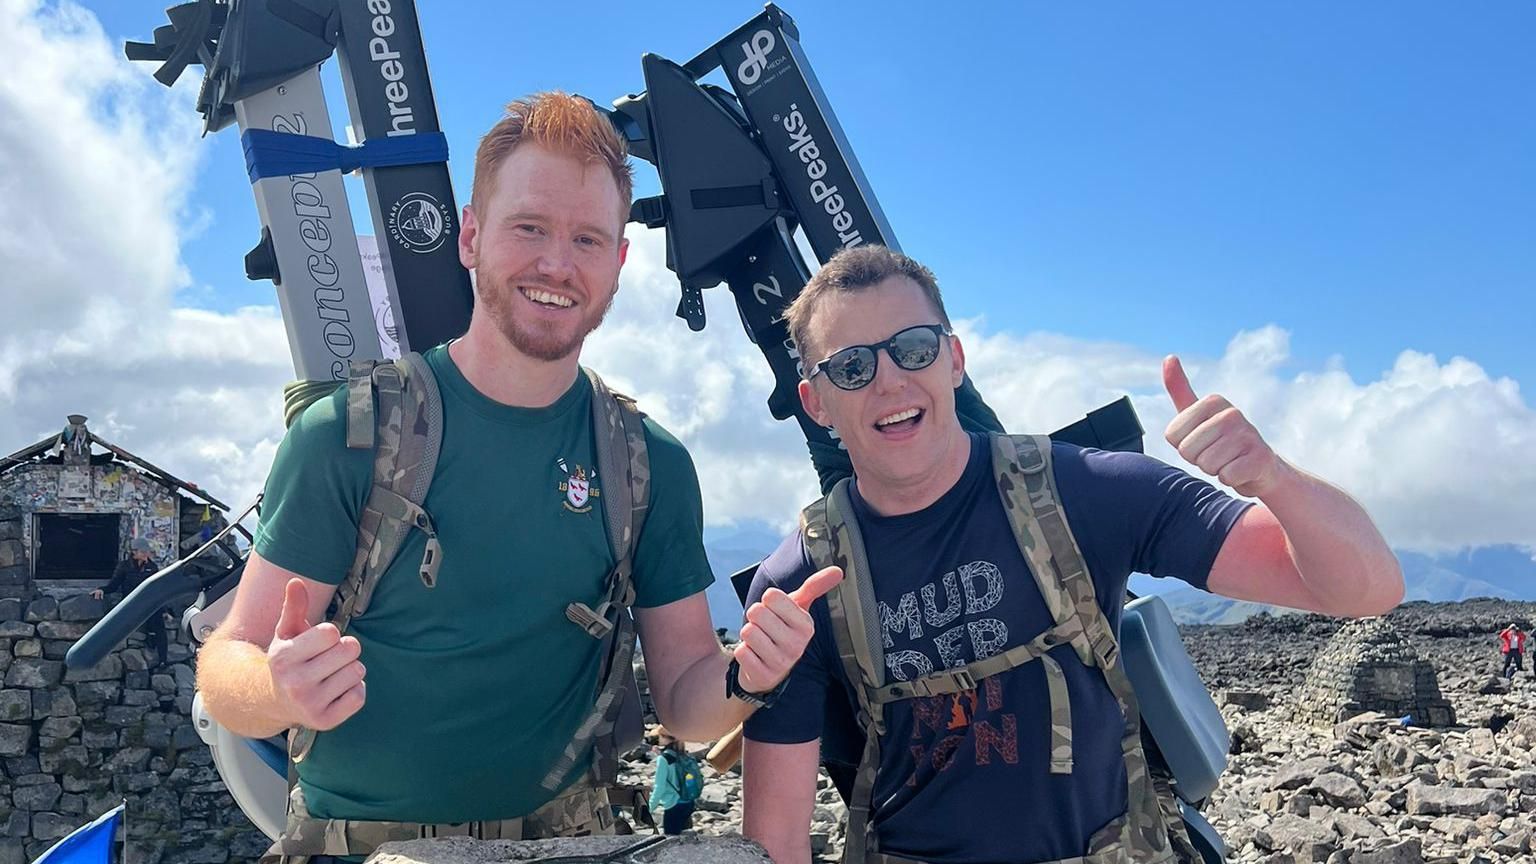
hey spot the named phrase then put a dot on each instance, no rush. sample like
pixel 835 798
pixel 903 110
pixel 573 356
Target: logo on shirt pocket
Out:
pixel 579 488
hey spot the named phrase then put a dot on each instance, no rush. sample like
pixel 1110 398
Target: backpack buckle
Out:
pixel 1106 650
pixel 594 622
pixel 963 679
pixel 430 559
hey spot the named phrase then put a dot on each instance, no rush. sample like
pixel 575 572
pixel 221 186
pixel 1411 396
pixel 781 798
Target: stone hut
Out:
pixel 71 503
pixel 75 742
pixel 1369 666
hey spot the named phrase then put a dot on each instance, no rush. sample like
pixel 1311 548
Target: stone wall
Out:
pixel 74 743
pixel 1369 666
pixel 14 571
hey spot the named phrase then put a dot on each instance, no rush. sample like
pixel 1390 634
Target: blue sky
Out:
pixel 1320 206
pixel 1363 175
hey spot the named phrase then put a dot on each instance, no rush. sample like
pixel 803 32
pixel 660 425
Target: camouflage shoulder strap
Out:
pixel 1027 484
pixel 394 409
pixel 614 724
pixel 832 538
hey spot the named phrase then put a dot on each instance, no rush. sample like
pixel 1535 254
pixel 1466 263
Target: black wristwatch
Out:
pixel 756 700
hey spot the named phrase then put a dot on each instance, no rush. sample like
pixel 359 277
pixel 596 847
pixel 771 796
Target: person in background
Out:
pixel 129 574
pixel 678 783
pixel 1512 646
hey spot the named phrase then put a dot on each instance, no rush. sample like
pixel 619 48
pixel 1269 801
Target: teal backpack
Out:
pixel 689 777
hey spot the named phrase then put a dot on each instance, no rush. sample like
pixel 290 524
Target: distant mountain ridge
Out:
pixel 1506 572
pixel 729 550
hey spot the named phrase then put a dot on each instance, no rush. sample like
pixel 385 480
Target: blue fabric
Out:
pixel 964 779
pixel 279 154
pixel 272 753
pixel 88 844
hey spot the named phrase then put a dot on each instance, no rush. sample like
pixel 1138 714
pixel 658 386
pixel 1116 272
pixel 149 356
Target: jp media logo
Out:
pixel 757 49
pixel 419 222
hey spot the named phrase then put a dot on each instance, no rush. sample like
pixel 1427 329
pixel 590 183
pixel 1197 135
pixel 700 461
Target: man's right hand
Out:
pixel 315 670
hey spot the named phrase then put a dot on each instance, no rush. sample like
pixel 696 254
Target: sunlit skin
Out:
pixel 546 244
pixel 1307 545
pixel 905 466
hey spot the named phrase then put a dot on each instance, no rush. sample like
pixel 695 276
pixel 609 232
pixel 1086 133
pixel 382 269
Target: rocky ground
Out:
pixel 1370 790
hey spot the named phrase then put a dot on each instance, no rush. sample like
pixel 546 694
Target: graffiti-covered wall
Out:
pixel 148 509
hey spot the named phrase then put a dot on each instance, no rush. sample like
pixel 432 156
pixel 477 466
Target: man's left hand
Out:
pixel 1215 437
pixel 777 630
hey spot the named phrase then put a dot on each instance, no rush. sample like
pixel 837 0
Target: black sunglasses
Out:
pixel 854 367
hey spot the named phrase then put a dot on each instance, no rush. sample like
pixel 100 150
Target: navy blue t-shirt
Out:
pixel 965 778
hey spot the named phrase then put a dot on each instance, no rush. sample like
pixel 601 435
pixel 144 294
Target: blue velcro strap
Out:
pixel 273 754
pixel 279 154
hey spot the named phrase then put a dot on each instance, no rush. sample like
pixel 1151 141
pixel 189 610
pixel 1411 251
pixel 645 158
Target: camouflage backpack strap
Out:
pixel 832 537
pixel 623 462
pixel 395 409
pixel 1027 484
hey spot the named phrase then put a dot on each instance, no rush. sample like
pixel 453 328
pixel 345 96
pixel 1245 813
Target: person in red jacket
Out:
pixel 1512 646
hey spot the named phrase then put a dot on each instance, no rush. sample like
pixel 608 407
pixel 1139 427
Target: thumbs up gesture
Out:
pixel 1214 436
pixel 777 630
pixel 315 671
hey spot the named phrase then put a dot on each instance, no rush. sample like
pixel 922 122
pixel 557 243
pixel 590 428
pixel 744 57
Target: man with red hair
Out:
pixel 476 682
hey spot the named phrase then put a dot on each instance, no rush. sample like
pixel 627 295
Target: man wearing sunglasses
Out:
pixel 1001 726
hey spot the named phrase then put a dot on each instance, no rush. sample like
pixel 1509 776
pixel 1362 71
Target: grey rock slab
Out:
pixel 59 727
pixel 12 628
pixel 42 609
pixel 1516 843
pixel 1452 800
pixel 41 797
pixel 1394 758
pixel 67 630
pixel 462 850
pixel 1299 774
pixel 33 674
pixel 1407 851
pixel 15 739
pixel 714 799
pixel 1304 838
pixel 1338 790
pixel 1249 700
pixel 15 705
pixel 81 607
pixel 1357 827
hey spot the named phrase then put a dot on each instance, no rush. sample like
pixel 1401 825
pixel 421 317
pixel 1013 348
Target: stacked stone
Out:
pixel 13 554
pixel 656 850
pixel 1369 666
pixel 74 743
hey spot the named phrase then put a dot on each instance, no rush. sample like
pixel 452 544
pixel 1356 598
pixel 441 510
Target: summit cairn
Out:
pixel 1369 666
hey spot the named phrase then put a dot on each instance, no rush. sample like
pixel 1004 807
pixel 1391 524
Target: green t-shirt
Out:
pixel 475 686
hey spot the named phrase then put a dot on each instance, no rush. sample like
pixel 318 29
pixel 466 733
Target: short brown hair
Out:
pixel 561 122
pixel 852 270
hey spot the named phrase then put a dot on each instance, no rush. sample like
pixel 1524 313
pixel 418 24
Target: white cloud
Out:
pixel 710 389
pixel 1439 453
pixel 97 161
